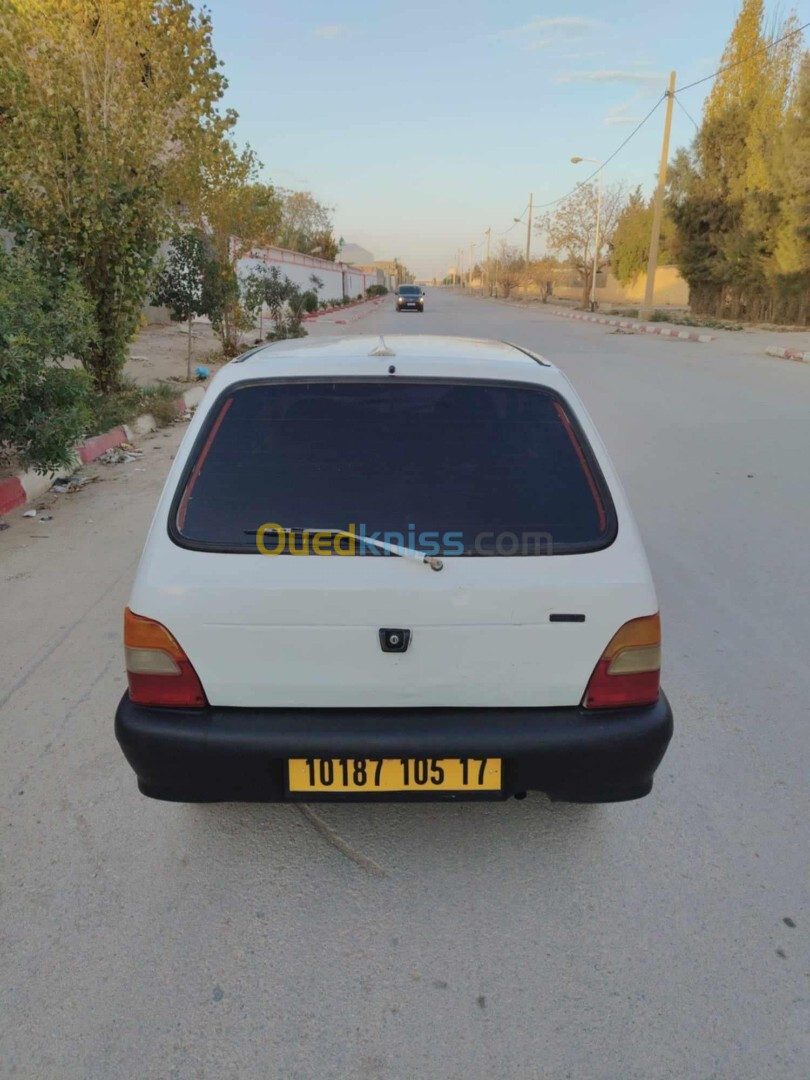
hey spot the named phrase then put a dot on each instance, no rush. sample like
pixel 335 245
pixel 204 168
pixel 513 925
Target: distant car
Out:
pixel 485 625
pixel 410 298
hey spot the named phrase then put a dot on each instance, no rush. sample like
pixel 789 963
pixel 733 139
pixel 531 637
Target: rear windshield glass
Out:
pixel 410 290
pixel 450 468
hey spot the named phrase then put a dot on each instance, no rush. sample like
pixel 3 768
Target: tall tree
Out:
pixel 571 229
pixel 729 197
pixel 306 224
pixel 103 105
pixel 237 213
pixel 792 241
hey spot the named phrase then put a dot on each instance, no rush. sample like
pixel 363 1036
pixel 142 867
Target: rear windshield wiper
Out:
pixel 393 549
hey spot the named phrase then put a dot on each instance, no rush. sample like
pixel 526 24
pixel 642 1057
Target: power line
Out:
pixel 697 82
pixel 621 146
pixel 587 180
pixel 744 60
pixel 683 108
pixel 515 222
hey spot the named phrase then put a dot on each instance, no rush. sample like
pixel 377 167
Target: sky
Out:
pixel 424 123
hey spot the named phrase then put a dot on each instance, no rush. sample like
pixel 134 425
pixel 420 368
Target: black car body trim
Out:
pixel 240 754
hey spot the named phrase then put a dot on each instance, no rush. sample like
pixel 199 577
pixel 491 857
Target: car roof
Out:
pixel 402 346
pixel 416 355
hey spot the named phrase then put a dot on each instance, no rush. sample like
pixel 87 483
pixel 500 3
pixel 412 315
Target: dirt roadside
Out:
pixel 159 352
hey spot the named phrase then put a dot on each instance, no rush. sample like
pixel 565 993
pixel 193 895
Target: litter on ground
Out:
pixel 72 483
pixel 117 455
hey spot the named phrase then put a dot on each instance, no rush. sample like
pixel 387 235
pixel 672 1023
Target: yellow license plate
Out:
pixel 369 775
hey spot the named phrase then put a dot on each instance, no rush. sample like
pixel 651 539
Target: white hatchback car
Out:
pixel 403 570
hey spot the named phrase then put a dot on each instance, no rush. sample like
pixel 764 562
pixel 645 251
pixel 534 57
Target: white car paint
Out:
pixel 263 631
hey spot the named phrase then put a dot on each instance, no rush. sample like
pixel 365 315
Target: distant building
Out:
pixel 395 272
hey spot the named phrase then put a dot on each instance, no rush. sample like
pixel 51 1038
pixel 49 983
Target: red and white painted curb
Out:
pixel 642 328
pixel 24 487
pixel 788 354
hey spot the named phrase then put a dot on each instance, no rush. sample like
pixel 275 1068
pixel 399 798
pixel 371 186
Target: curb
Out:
pixel 788 354
pixel 24 487
pixel 642 328
pixel 354 303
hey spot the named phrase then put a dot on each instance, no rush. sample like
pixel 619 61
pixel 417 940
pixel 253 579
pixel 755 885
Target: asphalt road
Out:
pixel 666 938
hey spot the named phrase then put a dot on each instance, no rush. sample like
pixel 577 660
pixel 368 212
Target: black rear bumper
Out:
pixel 218 754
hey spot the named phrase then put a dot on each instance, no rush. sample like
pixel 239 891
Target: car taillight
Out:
pixel 158 670
pixel 629 670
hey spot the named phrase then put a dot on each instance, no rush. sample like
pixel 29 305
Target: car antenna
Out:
pixel 381 349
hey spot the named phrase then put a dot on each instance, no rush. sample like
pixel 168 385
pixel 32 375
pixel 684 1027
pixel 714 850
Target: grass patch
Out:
pixel 129 401
pixel 687 320
pixel 678 318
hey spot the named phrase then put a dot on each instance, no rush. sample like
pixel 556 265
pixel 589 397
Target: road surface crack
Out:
pixel 343 846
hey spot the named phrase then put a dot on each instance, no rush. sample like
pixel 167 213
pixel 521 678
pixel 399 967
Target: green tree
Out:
pixel 286 301
pixel 221 299
pixel 699 222
pixel 45 317
pixel 106 110
pixel 178 284
pixel 732 197
pixel 792 240
pixel 324 245
pixel 238 212
pixel 631 239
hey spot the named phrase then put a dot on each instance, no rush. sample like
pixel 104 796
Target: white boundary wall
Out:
pixel 338 279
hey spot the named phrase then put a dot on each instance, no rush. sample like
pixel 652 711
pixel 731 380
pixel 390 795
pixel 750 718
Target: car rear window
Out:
pixel 441 467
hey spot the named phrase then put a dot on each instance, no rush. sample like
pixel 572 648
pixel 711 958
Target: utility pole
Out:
pixel 529 228
pixel 470 268
pixel 528 243
pixel 658 205
pixel 596 241
pixel 489 283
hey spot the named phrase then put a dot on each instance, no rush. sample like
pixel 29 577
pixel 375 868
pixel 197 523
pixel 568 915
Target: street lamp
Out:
pixel 593 161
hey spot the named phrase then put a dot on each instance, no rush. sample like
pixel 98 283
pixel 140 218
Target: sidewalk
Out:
pixel 769 344
pixel 25 487
pixel 660 328
pixel 786 345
